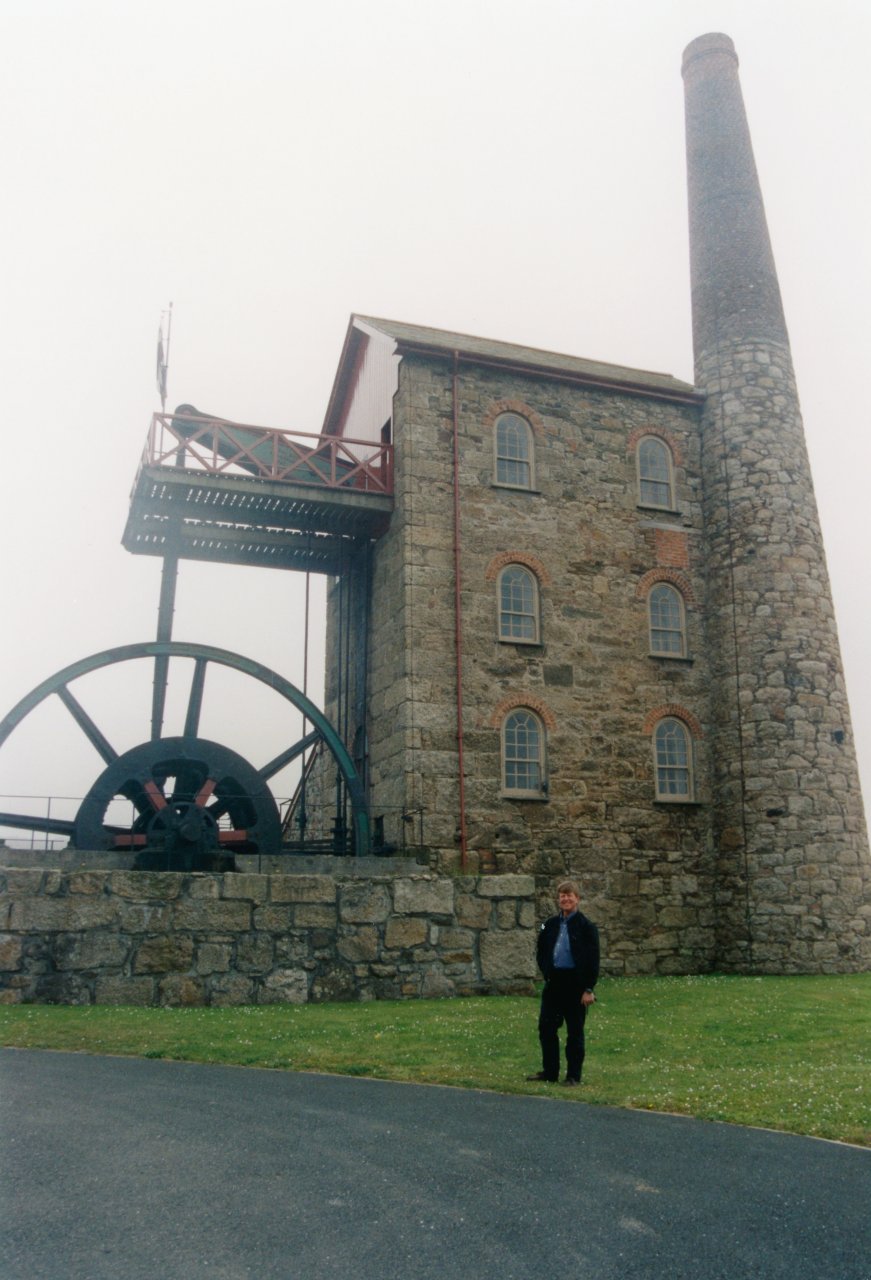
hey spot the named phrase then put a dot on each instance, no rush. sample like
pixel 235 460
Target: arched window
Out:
pixel 673 760
pixel 514 454
pixel 665 608
pixel 518 605
pixel 523 754
pixel 655 473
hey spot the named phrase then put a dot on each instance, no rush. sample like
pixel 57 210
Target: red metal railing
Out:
pixel 218 447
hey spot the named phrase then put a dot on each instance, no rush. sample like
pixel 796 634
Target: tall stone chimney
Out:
pixel 794 881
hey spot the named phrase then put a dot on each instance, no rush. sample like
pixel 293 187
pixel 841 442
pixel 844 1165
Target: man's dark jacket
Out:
pixel 584 942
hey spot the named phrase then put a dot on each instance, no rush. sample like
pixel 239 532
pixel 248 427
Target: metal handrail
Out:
pixel 220 447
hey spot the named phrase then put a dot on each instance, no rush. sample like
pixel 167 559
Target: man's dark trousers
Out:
pixel 561 1002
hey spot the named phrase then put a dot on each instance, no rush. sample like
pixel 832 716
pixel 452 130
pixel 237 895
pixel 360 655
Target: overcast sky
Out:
pixel 498 167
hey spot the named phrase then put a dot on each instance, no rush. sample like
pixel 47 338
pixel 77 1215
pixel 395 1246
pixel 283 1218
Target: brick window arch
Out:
pixel 532 562
pixel 526 411
pixel 530 700
pixel 660 574
pixel 661 433
pixel 672 709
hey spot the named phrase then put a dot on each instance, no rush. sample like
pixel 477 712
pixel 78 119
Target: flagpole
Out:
pixel 163 357
pixel 168 344
pixel 169 575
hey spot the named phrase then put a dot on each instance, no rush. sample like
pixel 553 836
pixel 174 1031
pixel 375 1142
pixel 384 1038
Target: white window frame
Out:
pixel 506 617
pixel 504 459
pixel 673 770
pixel 656 630
pixel 647 475
pixel 513 755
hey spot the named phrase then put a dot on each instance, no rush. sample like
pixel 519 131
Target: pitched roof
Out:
pixel 418 337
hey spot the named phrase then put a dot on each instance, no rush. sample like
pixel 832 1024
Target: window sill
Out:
pixel 540 796
pixel 514 488
pixel 662 511
pixel 684 801
pixel 672 657
pixel 526 644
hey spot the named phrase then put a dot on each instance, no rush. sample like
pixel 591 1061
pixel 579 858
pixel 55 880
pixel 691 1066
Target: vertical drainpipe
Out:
pixel 458 622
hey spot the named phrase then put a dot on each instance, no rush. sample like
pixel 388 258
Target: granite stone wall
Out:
pixel 166 938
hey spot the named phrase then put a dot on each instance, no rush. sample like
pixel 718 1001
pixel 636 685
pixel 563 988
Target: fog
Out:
pixel 512 170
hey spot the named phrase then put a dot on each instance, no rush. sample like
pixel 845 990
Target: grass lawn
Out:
pixel 785 1053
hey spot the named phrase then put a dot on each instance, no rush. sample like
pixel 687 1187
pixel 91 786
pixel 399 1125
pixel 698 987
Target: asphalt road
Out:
pixel 122 1169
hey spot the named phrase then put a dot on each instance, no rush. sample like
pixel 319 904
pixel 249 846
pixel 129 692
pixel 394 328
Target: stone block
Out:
pixel 35 915
pixel 272 919
pixel 254 952
pixel 142 885
pixel 180 991
pixel 202 884
pixel 230 989
pixel 436 986
pixel 302 889
pixel 506 913
pixel 456 940
pixel 206 915
pixel 242 884
pixel 359 946
pixel 364 903
pixel 144 917
pixel 335 982
pixel 526 915
pixel 675 917
pixel 293 949
pixel 86 881
pixel 61 988
pixel 168 953
pixel 119 990
pixel 510 886
pixel 284 986
pixel 423 895
pixel 311 915
pixel 623 884
pixel 404 932
pixel 473 912
pixel 23 881
pixel 10 952
pixel 508 955
pixel 89 950
pixel 213 957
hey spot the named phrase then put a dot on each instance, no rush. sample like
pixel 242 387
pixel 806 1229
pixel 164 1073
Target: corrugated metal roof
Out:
pixel 487 349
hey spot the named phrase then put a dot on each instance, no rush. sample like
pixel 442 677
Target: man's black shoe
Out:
pixel 571 1081
pixel 539 1075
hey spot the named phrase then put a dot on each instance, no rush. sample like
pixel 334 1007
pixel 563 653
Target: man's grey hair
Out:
pixel 569 886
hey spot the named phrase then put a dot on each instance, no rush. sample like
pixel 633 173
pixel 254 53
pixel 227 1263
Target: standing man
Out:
pixel 568 956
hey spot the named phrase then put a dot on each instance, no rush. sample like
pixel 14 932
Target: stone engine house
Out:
pixel 597 635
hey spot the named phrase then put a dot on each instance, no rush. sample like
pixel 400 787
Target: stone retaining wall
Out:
pixel 165 938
